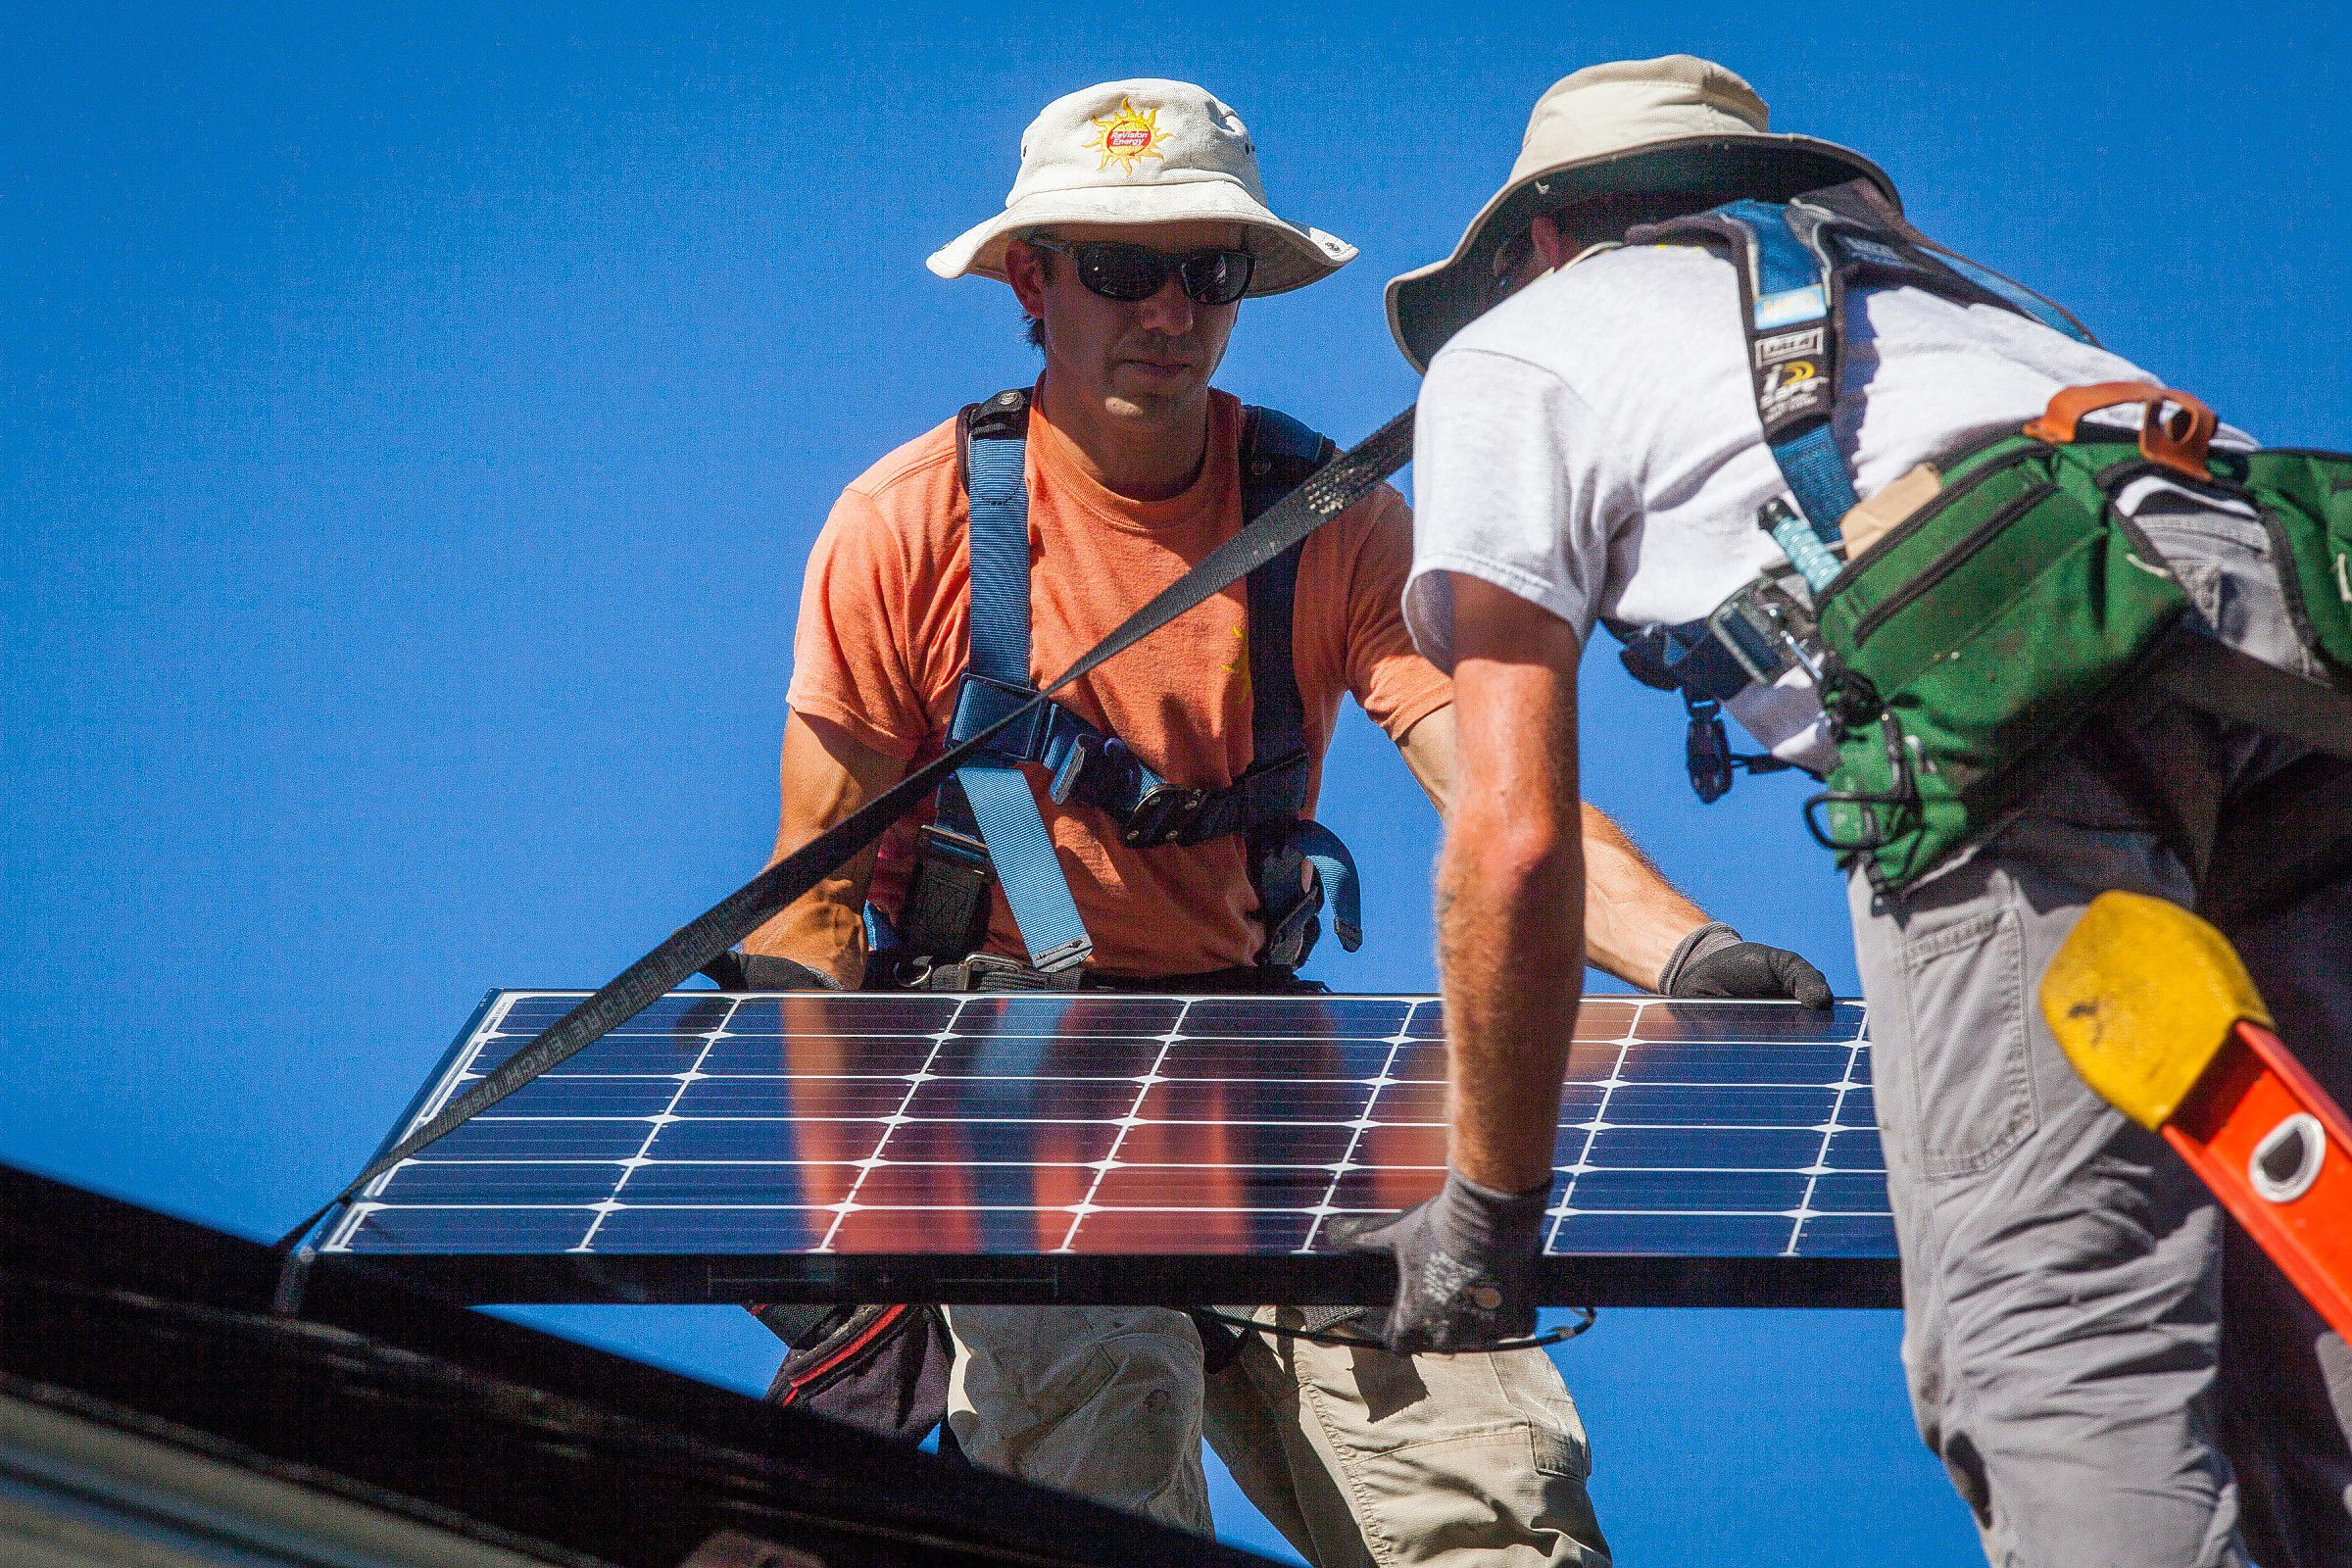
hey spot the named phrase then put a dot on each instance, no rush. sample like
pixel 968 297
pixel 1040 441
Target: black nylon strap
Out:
pixel 2237 687
pixel 1331 490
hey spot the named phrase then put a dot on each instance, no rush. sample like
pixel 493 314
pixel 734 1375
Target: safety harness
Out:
pixel 1797 264
pixel 987 829
pixel 1997 620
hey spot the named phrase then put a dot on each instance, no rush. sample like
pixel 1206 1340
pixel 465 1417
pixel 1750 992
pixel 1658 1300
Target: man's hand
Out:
pixel 1466 1266
pixel 1714 961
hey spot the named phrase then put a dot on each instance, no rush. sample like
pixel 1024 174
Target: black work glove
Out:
pixel 1713 961
pixel 1466 1266
pixel 759 971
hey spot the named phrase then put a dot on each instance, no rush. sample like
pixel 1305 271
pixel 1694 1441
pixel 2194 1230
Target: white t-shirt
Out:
pixel 1591 443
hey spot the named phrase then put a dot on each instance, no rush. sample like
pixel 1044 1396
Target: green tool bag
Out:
pixel 1987 627
pixel 1976 636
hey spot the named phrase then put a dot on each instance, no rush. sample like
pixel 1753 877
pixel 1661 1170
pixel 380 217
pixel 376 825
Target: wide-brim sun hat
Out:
pixel 1144 151
pixel 1627 127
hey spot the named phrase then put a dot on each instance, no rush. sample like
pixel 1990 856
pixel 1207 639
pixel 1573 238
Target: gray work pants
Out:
pixel 1358 1457
pixel 2112 1373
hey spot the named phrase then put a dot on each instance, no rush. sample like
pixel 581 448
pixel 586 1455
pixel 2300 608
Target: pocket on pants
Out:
pixel 1459 1458
pixel 1531 1381
pixel 1512 1403
pixel 1972 1071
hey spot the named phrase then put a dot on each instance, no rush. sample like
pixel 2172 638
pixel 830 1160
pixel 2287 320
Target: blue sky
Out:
pixel 412 422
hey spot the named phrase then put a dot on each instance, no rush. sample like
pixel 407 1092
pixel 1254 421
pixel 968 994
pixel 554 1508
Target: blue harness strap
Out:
pixel 1796 262
pixel 1789 294
pixel 1871 233
pixel 993 801
pixel 995 793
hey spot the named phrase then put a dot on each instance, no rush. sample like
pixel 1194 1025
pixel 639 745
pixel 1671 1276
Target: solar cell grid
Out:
pixel 991 1130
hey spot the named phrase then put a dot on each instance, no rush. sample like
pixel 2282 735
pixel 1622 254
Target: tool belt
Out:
pixel 886 1368
pixel 883 1368
pixel 1991 625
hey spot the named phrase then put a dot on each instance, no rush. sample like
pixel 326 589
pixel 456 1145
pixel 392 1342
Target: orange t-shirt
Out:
pixel 883 641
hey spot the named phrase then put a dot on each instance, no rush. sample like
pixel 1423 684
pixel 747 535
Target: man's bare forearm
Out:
pixel 1511 954
pixel 1634 917
pixel 825 927
pixel 1510 888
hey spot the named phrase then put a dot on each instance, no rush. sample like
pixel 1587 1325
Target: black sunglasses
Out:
pixel 1213 275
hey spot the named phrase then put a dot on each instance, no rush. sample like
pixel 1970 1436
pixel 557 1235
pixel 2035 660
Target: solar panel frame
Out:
pixel 532 1265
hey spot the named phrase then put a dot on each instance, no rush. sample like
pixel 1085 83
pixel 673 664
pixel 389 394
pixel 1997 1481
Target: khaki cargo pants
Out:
pixel 1359 1457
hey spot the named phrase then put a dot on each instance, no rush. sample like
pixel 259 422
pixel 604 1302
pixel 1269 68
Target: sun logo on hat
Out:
pixel 1127 134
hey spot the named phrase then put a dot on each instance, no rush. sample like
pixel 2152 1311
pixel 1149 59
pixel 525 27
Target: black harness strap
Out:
pixel 1334 487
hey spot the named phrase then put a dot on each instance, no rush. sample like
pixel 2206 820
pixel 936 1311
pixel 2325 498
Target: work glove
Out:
pixel 1466 1266
pixel 760 971
pixel 1713 961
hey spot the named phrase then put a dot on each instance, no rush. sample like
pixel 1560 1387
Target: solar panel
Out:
pixel 1110 1146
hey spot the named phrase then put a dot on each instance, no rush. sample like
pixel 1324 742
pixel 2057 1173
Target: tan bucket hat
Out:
pixel 1673 124
pixel 1144 151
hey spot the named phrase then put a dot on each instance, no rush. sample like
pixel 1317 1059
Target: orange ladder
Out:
pixel 2158 1015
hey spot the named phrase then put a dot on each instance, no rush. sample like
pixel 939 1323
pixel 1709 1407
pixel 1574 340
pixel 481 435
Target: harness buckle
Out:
pixel 1163 816
pixel 1289 942
pixel 1077 762
pixel 990 971
pixel 1094 769
pixel 1768 630
pixel 982 699
pixel 1686 658
pixel 960 848
pixel 948 898
pixel 1290 895
pixel 978 972
pixel 1707 751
